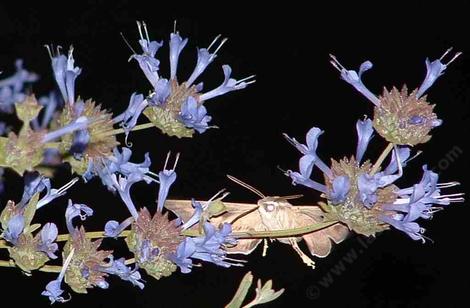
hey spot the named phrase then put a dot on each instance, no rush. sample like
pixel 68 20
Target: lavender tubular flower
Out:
pixel 119 268
pixel 53 289
pixel 167 178
pixel 12 88
pixel 14 229
pixel 365 133
pixel 354 78
pixel 49 234
pixel 434 70
pixel 65 72
pixel 76 210
pixel 209 248
pixel 176 108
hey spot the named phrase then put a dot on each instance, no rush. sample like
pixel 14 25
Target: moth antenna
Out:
pixel 292 197
pixel 243 184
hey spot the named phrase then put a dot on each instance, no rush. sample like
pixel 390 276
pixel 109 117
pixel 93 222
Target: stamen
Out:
pixel 67 186
pixel 145 30
pixel 447 185
pixel 49 50
pixel 247 78
pixel 176 160
pixel 446 53
pixel 166 160
pixel 218 48
pixel 66 265
pixel 174 26
pixel 139 27
pixel 336 64
pixel 213 41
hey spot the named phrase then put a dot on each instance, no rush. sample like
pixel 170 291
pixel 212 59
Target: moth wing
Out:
pixel 319 242
pixel 250 222
pixel 247 223
pixel 181 208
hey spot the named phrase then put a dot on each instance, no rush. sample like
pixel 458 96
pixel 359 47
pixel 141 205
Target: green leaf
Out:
pixel 264 294
pixel 30 210
pixel 216 208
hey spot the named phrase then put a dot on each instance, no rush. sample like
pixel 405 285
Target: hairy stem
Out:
pixel 381 158
pixel 94 234
pixel 273 233
pixel 240 235
pixel 45 268
pixel 121 130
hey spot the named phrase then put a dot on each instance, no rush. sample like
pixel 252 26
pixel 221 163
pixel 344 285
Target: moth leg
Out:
pixel 265 247
pixel 302 255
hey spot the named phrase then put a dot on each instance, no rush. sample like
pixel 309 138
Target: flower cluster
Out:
pixel 364 196
pixel 61 129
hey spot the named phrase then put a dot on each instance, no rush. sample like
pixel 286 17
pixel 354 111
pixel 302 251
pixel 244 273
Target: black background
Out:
pixel 287 47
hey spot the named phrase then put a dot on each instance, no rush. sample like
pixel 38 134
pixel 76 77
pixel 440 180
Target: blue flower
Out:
pixel 196 217
pixel 14 229
pixel 76 210
pixel 114 228
pixel 204 58
pixel 53 289
pixel 166 177
pixel 181 101
pixel 365 133
pixel 52 193
pixel 210 248
pixel 418 202
pixel 306 164
pixel 34 183
pixel 65 72
pixel 354 78
pixel 48 236
pixel 119 268
pixel 400 222
pixel 54 292
pixel 177 43
pixel 368 184
pixel 50 103
pixel 12 88
pixel 194 115
pixel 78 124
pixel 147 61
pixel 228 85
pixel 403 155
pixel 434 70
pixel 340 189
pixel 137 104
pixel 119 163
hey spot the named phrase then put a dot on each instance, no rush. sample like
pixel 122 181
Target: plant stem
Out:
pixel 273 233
pixel 381 158
pixel 45 268
pixel 121 130
pixel 94 234
pixel 240 235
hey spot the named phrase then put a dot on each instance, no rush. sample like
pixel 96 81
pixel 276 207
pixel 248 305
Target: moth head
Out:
pixel 270 205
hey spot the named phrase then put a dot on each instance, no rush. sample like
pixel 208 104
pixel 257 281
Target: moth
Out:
pixel 268 214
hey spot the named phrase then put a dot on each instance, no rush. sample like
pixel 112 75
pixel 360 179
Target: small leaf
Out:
pixel 264 294
pixel 216 208
pixel 30 210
